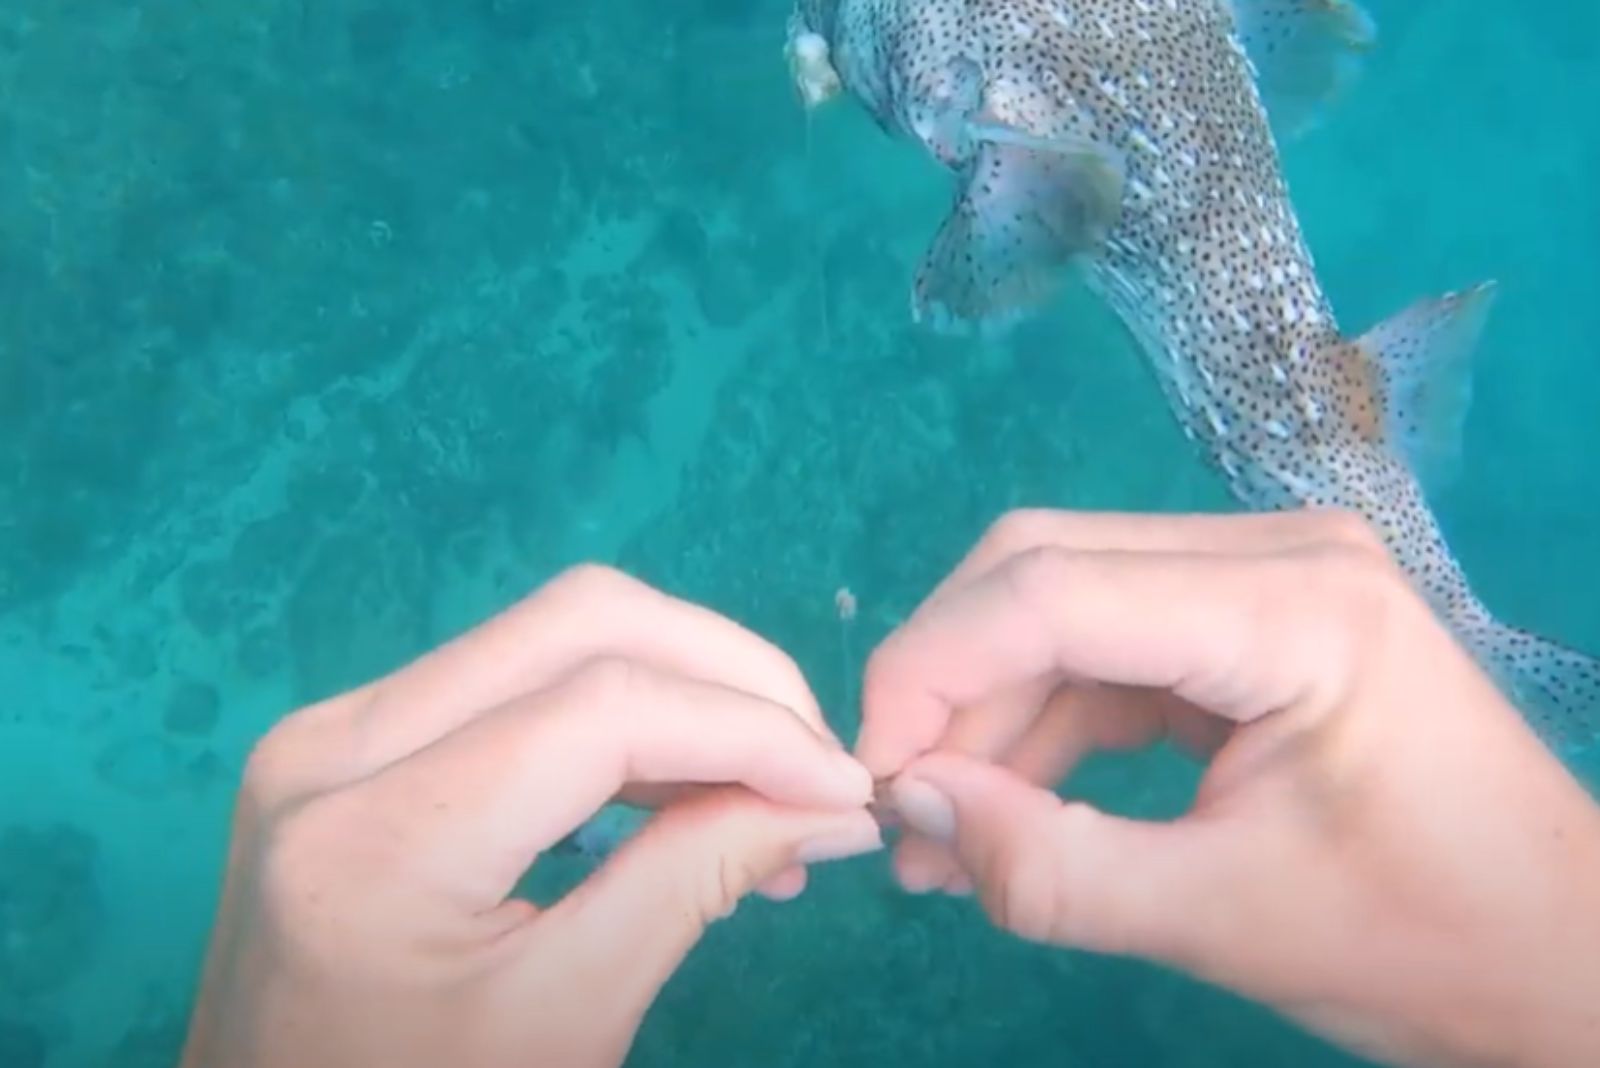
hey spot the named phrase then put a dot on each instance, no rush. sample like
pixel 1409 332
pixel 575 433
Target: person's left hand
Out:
pixel 367 915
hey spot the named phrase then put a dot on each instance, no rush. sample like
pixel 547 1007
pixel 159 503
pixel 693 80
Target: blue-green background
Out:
pixel 328 327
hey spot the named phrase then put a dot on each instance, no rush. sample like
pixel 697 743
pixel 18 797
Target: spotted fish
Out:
pixel 1135 142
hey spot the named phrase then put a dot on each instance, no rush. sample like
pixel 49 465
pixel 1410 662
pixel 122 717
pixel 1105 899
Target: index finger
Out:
pixel 476 809
pixel 586 613
pixel 1233 635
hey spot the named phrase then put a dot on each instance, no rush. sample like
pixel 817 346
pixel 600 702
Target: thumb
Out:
pixel 631 924
pixel 1064 872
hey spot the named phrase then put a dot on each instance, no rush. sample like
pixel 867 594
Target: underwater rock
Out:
pixel 192 710
pixel 50 909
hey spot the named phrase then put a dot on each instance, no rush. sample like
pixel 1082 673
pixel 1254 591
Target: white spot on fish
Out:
pixel 1218 427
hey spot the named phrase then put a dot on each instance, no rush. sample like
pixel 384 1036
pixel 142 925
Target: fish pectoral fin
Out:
pixel 1028 208
pixel 942 106
pixel 1306 53
pixel 1423 363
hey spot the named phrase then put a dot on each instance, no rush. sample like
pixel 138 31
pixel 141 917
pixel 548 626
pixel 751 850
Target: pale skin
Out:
pixel 1380 848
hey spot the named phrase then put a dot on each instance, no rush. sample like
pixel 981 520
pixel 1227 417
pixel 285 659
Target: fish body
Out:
pixel 1136 142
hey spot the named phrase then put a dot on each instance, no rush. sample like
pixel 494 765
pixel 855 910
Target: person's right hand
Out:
pixel 1380 849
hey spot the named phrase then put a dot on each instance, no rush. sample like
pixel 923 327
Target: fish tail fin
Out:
pixel 1028 207
pixel 1556 688
pixel 1306 53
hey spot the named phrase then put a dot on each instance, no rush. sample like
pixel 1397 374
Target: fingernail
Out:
pixel 928 811
pixel 853 841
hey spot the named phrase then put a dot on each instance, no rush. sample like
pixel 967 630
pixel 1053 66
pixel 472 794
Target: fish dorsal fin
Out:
pixel 1422 359
pixel 1306 52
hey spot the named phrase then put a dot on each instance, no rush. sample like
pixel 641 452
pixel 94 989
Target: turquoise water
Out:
pixel 330 327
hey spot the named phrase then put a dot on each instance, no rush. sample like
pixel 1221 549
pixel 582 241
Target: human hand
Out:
pixel 1380 847
pixel 366 916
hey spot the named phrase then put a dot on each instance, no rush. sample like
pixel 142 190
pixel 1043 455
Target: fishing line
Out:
pixel 844 601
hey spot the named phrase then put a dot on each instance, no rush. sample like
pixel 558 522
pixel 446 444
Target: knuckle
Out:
pixel 1036 572
pixel 713 883
pixel 1036 885
pixel 1361 584
pixel 606 684
pixel 1017 530
pixel 265 765
pixel 1347 527
pixel 276 766
pixel 301 755
pixel 720 894
pixel 883 681
pixel 1021 895
pixel 1344 601
pixel 591 579
pixel 789 681
pixel 1089 916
